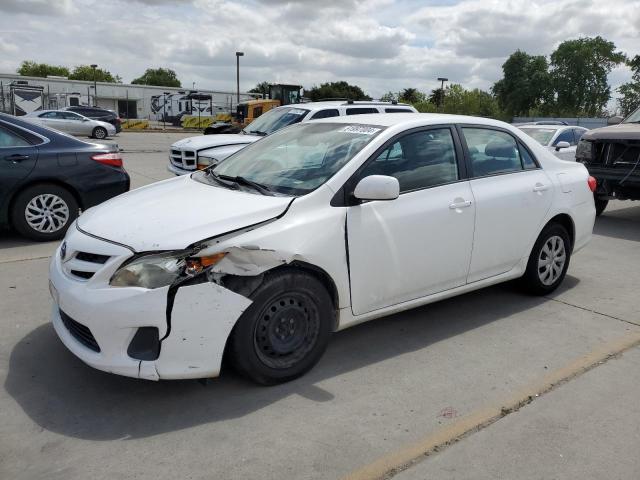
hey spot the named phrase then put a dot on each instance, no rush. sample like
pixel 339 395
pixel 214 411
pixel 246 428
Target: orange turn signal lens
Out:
pixel 195 265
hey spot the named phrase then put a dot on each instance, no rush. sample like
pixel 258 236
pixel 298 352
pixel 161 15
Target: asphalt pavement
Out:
pixel 492 384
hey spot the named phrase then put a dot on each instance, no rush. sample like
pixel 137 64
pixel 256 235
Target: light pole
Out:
pixel 164 109
pixel 238 55
pixel 442 80
pixel 95 87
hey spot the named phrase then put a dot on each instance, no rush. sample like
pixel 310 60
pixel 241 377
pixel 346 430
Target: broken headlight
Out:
pixel 159 270
pixel 584 151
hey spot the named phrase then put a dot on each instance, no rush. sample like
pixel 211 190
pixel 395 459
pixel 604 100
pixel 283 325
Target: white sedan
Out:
pixel 561 140
pixel 317 227
pixel 72 123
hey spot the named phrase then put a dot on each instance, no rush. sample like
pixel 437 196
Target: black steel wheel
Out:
pixel 286 329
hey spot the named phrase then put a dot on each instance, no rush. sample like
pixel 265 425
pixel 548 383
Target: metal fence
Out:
pixel 578 121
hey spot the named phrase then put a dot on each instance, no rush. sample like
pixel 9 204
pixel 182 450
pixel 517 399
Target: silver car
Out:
pixel 561 140
pixel 71 122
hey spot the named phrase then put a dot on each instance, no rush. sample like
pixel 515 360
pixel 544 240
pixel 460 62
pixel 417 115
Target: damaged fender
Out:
pixel 202 318
pixel 251 261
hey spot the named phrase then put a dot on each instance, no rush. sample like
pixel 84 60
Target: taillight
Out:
pixel 593 183
pixel 112 159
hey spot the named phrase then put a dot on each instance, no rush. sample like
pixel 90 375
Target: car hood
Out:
pixel 208 141
pixel 176 213
pixel 622 131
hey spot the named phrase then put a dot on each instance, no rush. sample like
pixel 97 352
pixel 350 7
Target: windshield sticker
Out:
pixel 360 129
pixel 297 111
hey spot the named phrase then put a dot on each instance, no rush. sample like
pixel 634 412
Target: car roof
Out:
pixel 392 119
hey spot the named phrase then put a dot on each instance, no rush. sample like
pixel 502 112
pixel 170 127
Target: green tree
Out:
pixel 459 101
pixel 161 77
pixel 579 70
pixel 525 85
pixel 389 97
pixel 336 90
pixel 262 88
pixel 85 72
pixel 630 91
pixel 411 95
pixel 29 68
pixel 435 96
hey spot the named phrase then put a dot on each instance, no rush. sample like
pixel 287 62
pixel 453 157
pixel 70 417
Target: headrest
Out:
pixel 500 149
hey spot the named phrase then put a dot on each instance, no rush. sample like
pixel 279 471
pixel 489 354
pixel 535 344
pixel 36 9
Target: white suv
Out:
pixel 197 153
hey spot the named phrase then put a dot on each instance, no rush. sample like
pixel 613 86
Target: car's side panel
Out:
pixel 509 212
pixel 410 247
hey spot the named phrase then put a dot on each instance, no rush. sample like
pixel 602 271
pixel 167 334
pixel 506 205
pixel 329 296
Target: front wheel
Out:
pixel 286 329
pixel 548 262
pixel 100 133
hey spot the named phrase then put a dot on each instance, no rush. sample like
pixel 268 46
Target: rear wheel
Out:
pixel 549 261
pixel 601 204
pixel 286 329
pixel 99 133
pixel 43 212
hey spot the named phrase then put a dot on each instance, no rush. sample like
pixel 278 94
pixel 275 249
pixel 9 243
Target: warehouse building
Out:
pixel 20 95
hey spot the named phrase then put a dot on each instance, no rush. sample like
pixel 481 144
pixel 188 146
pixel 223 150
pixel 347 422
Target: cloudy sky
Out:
pixel 381 45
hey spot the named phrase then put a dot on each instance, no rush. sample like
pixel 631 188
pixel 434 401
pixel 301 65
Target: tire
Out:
pixel 100 133
pixel 601 204
pixel 50 208
pixel 291 300
pixel 545 273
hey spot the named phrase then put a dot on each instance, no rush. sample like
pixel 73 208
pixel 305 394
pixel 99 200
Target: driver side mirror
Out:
pixel 560 145
pixel 377 187
pixel 615 120
pixel 85 119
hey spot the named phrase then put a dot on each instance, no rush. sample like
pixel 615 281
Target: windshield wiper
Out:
pixel 263 189
pixel 258 132
pixel 222 181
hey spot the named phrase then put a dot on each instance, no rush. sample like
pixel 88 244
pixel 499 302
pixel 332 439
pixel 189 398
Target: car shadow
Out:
pixel 61 394
pixel 622 223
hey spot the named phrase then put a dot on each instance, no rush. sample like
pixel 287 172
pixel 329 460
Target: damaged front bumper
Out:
pixel 98 322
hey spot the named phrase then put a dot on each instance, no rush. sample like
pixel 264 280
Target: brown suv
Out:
pixel 612 156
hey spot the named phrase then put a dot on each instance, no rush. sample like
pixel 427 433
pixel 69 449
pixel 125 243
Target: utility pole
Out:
pixel 95 85
pixel 442 80
pixel 238 55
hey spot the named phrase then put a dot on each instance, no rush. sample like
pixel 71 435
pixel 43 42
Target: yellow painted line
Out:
pixel 395 462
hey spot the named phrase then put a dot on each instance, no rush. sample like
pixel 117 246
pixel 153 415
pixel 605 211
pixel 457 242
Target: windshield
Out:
pixel 541 135
pixel 275 120
pixel 634 117
pixel 293 161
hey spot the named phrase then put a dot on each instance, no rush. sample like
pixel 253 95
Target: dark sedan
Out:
pixel 47 177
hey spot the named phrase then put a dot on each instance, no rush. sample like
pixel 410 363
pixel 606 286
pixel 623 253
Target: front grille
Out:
pixel 80 332
pixel 81 274
pixel 185 159
pixel 92 257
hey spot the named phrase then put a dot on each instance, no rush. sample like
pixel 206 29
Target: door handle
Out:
pixel 463 204
pixel 16 158
pixel 540 188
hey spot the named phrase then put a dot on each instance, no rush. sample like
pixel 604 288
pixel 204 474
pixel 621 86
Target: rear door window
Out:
pixel 361 110
pixel 397 110
pixel 491 152
pixel 10 139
